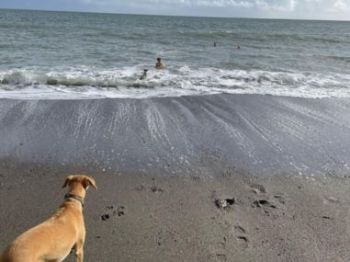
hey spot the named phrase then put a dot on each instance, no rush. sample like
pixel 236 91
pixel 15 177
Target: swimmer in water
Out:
pixel 159 64
pixel 144 75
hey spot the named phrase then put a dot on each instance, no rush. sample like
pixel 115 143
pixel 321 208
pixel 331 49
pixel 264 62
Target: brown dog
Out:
pixel 54 239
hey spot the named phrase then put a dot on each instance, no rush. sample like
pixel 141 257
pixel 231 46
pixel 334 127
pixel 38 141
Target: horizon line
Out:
pixel 167 15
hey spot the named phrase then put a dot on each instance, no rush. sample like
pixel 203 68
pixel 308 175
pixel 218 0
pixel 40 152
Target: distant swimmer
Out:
pixel 144 74
pixel 238 47
pixel 160 64
pixel 214 44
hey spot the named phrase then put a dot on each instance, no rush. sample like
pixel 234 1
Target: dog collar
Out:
pixel 78 198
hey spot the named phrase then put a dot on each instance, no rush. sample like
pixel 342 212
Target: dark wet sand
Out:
pixel 183 136
pixel 163 166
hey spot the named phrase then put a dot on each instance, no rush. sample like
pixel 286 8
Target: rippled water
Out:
pixel 80 55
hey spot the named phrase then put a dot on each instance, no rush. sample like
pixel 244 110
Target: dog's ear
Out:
pixel 89 181
pixel 66 182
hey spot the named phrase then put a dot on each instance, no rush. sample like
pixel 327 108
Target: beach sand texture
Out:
pixel 212 178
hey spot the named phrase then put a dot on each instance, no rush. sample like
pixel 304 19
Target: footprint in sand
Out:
pixel 156 189
pixel 258 189
pixel 280 198
pixel 263 203
pixel 105 217
pixel 240 229
pixel 119 211
pixel 242 239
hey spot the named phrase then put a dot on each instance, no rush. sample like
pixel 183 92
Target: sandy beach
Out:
pixel 213 178
pixel 137 217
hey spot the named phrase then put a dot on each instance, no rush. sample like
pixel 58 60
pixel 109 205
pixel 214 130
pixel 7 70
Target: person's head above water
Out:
pixel 160 64
pixel 144 74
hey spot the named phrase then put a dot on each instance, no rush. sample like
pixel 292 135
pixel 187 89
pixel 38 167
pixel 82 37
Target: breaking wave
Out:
pixel 86 82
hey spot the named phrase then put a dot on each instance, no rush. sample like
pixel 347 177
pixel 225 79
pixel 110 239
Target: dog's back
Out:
pixel 48 240
pixel 54 239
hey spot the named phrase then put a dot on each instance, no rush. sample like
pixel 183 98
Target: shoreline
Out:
pixel 199 135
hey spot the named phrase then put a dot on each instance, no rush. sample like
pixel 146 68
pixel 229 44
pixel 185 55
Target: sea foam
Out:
pixel 89 82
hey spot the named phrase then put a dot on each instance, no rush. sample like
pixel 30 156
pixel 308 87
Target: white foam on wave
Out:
pixel 86 82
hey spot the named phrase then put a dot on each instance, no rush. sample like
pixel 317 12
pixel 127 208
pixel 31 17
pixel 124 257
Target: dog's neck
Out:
pixel 69 196
pixel 76 192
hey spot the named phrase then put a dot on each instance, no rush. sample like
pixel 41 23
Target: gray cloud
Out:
pixel 283 5
pixel 256 7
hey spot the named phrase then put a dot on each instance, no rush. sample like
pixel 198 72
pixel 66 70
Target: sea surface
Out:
pixel 63 55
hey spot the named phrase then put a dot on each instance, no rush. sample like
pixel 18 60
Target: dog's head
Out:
pixel 79 181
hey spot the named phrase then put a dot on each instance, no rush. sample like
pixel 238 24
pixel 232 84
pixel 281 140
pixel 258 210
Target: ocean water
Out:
pixel 62 55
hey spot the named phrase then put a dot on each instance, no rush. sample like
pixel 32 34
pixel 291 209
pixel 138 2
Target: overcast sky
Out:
pixel 300 9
